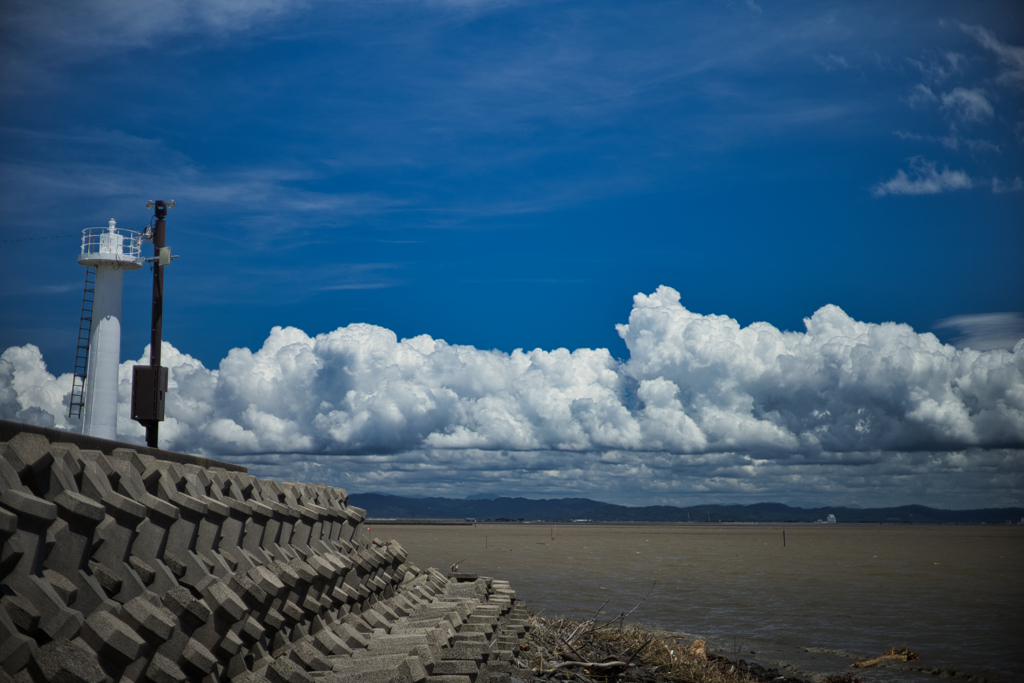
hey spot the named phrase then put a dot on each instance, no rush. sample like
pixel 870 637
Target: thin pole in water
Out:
pixel 783 538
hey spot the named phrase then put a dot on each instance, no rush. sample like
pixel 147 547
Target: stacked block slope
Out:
pixel 127 568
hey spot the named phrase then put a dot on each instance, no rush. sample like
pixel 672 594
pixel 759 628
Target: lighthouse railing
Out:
pixel 112 243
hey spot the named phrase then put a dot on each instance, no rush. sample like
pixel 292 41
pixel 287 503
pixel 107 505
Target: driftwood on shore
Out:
pixel 597 651
pixel 904 654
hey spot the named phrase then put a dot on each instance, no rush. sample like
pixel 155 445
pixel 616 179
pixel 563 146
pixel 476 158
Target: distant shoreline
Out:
pixel 584 510
pixel 390 521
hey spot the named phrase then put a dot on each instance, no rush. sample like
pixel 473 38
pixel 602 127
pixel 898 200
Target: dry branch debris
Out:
pixel 904 654
pixel 594 651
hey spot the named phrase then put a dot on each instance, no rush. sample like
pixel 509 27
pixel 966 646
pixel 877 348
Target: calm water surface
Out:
pixel 954 594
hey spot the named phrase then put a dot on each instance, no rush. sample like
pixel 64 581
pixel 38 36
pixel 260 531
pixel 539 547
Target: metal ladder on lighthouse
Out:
pixel 82 353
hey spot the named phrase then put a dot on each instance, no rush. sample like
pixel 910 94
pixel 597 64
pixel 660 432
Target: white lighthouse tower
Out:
pixel 108 252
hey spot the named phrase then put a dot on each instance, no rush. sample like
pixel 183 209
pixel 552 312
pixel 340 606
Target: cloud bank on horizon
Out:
pixel 701 407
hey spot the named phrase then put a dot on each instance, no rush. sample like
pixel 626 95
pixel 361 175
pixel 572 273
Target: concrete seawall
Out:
pixel 123 566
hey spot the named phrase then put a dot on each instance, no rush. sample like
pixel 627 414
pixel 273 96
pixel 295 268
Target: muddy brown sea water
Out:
pixel 834 593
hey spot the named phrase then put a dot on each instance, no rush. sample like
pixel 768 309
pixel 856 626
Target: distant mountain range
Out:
pixel 380 505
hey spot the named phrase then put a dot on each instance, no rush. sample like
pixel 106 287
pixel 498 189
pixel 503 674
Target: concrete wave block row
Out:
pixel 434 629
pixel 128 568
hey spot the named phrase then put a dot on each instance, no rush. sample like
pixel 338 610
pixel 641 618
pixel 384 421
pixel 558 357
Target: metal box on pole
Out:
pixel 149 386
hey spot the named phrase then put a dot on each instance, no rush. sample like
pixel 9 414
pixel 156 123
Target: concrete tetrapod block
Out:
pixel 21 612
pixel 350 636
pixel 208 540
pixel 30 544
pixel 27 453
pixel 34 511
pixel 9 478
pixel 255 532
pixel 8 522
pixel 228 610
pixel 251 631
pixel 438 637
pixel 471 638
pixel 154 623
pixel 254 597
pixel 283 670
pixel 473 651
pixel 196 660
pixel 151 543
pixel 233 532
pixel 179 553
pixel 375 619
pixel 59 476
pixel 118 534
pixel 67 591
pixel 268 581
pixel 285 517
pixel 330 644
pixel 190 614
pixel 224 601
pixel 163 670
pixel 63 661
pixel 15 648
pixel 456 667
pixel 369 668
pixel 140 462
pixel 77 539
pixel 439 630
pixel 389 644
pixel 270 547
pixel 485 629
pixel 309 657
pixel 94 483
pixel 112 639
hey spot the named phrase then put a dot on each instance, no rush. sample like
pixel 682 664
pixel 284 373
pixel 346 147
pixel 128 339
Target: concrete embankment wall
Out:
pixel 123 566
pixel 9 429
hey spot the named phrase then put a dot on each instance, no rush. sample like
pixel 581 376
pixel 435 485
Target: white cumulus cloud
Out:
pixel 702 409
pixel 30 394
pixel 692 384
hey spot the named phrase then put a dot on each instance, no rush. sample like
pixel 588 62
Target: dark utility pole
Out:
pixel 149 383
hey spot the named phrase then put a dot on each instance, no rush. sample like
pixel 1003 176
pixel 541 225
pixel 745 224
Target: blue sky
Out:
pixel 508 175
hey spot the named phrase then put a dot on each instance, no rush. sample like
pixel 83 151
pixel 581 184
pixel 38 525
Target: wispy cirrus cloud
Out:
pixel 1011 57
pixel 969 105
pixel 920 96
pixel 924 178
pixel 120 172
pixel 972 93
pixel 986 331
pixel 831 62
pixel 1002 186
